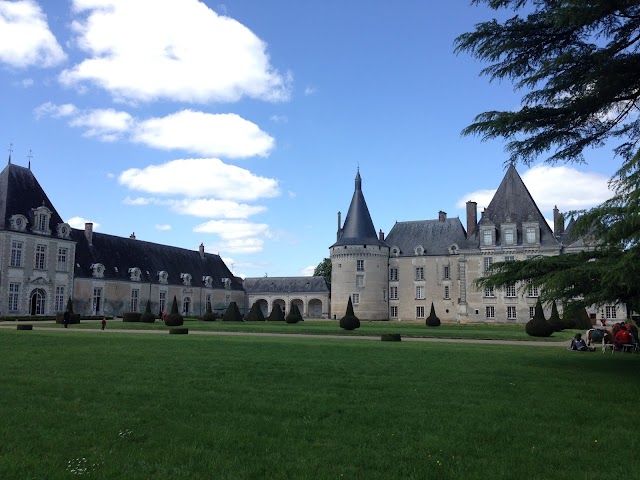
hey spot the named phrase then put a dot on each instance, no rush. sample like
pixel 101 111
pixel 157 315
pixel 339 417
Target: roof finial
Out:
pixel 358 179
pixel 10 150
pixel 30 156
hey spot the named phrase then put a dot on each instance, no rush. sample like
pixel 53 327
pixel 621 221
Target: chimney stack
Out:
pixel 558 221
pixel 381 235
pixel 88 232
pixel 132 236
pixel 442 216
pixel 201 250
pixel 472 217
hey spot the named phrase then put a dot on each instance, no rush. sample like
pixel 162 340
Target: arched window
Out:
pixel 37 302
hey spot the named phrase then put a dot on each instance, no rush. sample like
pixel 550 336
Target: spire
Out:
pixel 10 150
pixel 30 156
pixel 358 181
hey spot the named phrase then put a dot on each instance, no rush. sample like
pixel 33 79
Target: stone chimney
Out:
pixel 472 217
pixel 201 250
pixel 558 221
pixel 88 232
pixel 381 235
pixel 132 236
pixel 442 216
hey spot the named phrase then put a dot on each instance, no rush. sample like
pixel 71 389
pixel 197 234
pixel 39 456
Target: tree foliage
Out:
pixel 577 63
pixel 323 270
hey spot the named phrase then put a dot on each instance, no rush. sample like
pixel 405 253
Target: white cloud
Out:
pixel 549 186
pixel 25 38
pixel 310 90
pixel 163 228
pixel 279 118
pixel 227 134
pixel 197 178
pixel 233 229
pixel 308 271
pixel 212 208
pixel 106 124
pixel 187 52
pixel 240 245
pixel 78 222
pixel 27 82
pixel 55 111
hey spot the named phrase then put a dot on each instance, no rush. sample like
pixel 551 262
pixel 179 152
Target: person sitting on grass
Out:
pixel 579 344
pixel 622 337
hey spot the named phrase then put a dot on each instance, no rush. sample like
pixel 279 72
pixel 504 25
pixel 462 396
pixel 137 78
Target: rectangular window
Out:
pixel 490 311
pixel 419 293
pixel 610 312
pixel 532 312
pixel 446 272
pixel 207 303
pixel 42 223
pixel 489 292
pixel 393 312
pixel 508 237
pixel 62 259
pixel 16 254
pixel 360 281
pixel 360 265
pixel 487 237
pixel 355 298
pixel 59 300
pixel 447 294
pixel 41 257
pixel 419 273
pixel 487 262
pixel 509 258
pixel 393 293
pixel 135 297
pixel 420 312
pixel 531 234
pixel 162 301
pixel 510 291
pixel 14 293
pixel 533 291
pixel 97 301
pixel 393 274
pixel 511 313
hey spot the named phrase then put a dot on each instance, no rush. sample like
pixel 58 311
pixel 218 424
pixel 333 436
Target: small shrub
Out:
pixel 232 314
pixel 432 319
pixel 174 319
pixel 538 325
pixel 178 331
pixel 209 316
pixel 294 315
pixel 276 314
pixel 349 321
pixel 554 319
pixel 390 337
pixel 131 316
pixel 147 316
pixel 24 326
pixel 255 314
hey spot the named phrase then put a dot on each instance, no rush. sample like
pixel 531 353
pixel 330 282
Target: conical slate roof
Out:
pixel 358 227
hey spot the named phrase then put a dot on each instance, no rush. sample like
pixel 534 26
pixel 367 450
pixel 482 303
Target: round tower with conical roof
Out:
pixel 359 260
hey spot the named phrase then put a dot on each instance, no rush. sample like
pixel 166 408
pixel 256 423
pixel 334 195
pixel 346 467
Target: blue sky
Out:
pixel 241 125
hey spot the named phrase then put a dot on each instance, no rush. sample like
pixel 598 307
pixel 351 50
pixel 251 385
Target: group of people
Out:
pixel 621 336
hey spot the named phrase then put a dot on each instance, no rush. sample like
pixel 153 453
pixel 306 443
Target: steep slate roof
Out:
pixel 434 236
pixel 119 254
pixel 512 203
pixel 19 193
pixel 358 228
pixel 256 285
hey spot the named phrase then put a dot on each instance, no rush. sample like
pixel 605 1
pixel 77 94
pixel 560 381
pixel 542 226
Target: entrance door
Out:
pixel 37 302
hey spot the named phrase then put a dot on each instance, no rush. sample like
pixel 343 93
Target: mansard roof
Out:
pixel 20 192
pixel 358 227
pixel 119 254
pixel 435 236
pixel 316 284
pixel 512 203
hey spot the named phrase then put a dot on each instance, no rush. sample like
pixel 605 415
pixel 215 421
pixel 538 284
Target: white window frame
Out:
pixel 510 291
pixel 509 236
pixel 59 299
pixel 446 272
pixel 63 255
pixel 393 293
pixel 16 253
pixel 355 299
pixel 531 235
pixel 393 311
pixel 511 313
pixel 96 301
pixel 40 260
pixel 487 237
pixel 419 292
pixel 186 306
pixel 419 311
pixel 489 292
pixel 447 292
pixel 135 300
pixel 610 312
pixel 419 273
pixel 534 292
pixel 486 263
pixel 14 296
pixel 393 274
pixel 359 265
pixel 490 312
pixel 532 312
pixel 162 301
pixel 360 281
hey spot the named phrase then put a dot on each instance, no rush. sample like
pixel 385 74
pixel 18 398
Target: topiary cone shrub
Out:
pixel 538 325
pixel 174 319
pixel 294 315
pixel 147 316
pixel 232 314
pixel 131 316
pixel 209 316
pixel 349 321
pixel 276 314
pixel 554 319
pixel 255 314
pixel 569 315
pixel 73 317
pixel 583 320
pixel 432 319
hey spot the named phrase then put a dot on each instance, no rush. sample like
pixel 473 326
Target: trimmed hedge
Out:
pixel 538 325
pixel 294 315
pixel 276 314
pixel 131 316
pixel 391 337
pixel 255 314
pixel 178 331
pixel 174 319
pixel 147 316
pixel 349 321
pixel 432 319
pixel 24 326
pixel 232 314
pixel 209 316
pixel 554 319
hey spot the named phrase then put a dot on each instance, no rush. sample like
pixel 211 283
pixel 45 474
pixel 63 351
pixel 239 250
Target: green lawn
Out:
pixel 331 327
pixel 129 407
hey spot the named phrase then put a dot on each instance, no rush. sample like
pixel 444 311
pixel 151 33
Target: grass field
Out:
pixel 122 406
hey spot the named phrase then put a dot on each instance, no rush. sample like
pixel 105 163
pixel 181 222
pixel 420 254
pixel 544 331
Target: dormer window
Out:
pixel 453 249
pixel 41 217
pixel 395 251
pixel 508 233
pixel 97 270
pixel 63 230
pixel 186 278
pixel 226 282
pixel 531 232
pixel 419 250
pixel 163 277
pixel 18 223
pixel 207 281
pixel 487 235
pixel 134 274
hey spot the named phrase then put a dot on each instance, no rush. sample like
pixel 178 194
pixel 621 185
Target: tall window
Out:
pixel 38 302
pixel 355 298
pixel 186 304
pixel 487 237
pixel 393 312
pixel 97 301
pixel 490 311
pixel 487 262
pixel 207 303
pixel 489 292
pixel 533 291
pixel 162 301
pixel 510 291
pixel 511 313
pixel 59 300
pixel 532 312
pixel 420 312
pixel 135 298
pixel 42 222
pixel 360 281
pixel 393 293
pixel 16 254
pixel 447 293
pixel 610 312
pixel 14 293
pixel 41 257
pixel 508 237
pixel 419 273
pixel 393 274
pixel 531 234
pixel 62 259
pixel 446 272
pixel 360 265
pixel 420 293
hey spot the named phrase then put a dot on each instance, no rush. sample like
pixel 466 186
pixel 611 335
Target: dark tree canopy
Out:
pixel 578 64
pixel 323 270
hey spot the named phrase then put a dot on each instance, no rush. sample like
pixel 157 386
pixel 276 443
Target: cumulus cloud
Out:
pixel 163 228
pixel 236 236
pixel 78 222
pixel 55 111
pixel 25 38
pixel 201 207
pixel 308 271
pixel 106 124
pixel 187 53
pixel 198 178
pixel 240 245
pixel 549 186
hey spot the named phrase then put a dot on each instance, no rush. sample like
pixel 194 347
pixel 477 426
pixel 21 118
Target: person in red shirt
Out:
pixel 622 338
